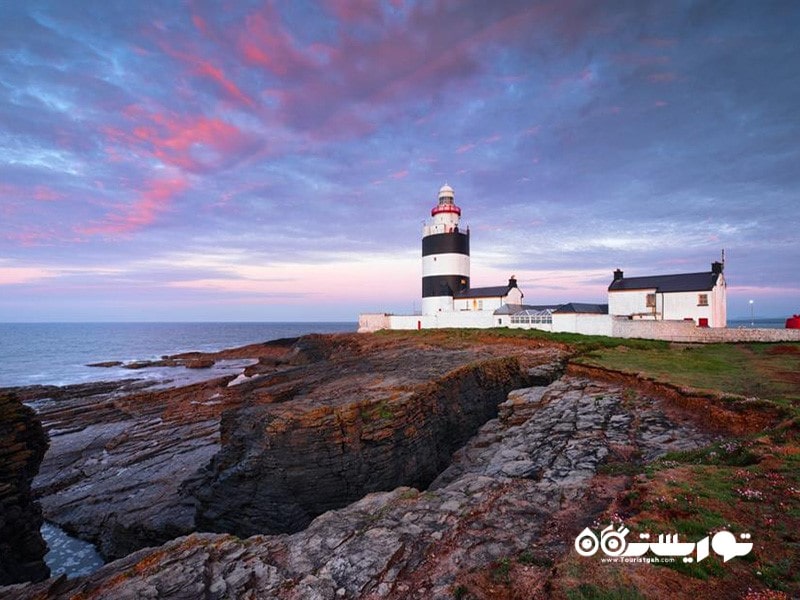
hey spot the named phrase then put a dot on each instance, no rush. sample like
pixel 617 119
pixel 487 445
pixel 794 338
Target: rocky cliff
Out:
pixel 311 425
pixel 526 483
pixel 407 466
pixel 22 446
pixel 386 419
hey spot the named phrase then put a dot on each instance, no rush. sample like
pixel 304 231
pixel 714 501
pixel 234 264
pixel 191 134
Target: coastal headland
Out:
pixel 433 464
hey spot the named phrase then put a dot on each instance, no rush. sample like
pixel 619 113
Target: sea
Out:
pixel 767 323
pixel 58 354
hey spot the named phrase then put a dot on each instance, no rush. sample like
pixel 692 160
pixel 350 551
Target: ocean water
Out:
pixel 57 353
pixel 774 323
pixel 68 555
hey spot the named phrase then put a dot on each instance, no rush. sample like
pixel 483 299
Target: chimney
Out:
pixel 512 282
pixel 617 275
pixel 716 267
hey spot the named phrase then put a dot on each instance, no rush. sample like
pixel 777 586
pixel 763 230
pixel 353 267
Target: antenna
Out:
pixel 723 257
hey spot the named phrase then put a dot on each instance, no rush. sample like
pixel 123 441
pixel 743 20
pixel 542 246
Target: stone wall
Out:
pixel 686 331
pixel 369 322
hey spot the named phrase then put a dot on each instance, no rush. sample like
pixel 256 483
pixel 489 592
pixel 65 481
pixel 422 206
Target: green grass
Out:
pixel 579 342
pixel 756 369
pixel 731 452
pixel 529 558
pixel 740 369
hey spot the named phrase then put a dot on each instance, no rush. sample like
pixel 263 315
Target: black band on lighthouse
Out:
pixel 444 285
pixel 446 243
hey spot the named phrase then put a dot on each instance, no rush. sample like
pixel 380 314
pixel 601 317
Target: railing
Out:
pixel 430 229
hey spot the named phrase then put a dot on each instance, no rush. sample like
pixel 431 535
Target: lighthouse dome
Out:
pixel 446 192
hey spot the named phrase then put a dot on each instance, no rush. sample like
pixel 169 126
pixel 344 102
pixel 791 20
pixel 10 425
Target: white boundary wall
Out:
pixel 587 324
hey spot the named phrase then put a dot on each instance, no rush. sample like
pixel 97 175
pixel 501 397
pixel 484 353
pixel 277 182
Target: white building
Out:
pixel 489 298
pixel 637 306
pixel 699 297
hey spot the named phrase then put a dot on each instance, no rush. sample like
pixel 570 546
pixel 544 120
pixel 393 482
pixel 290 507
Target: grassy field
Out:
pixel 768 371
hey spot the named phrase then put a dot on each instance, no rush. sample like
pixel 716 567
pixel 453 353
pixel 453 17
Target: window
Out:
pixel 651 301
pixel 702 299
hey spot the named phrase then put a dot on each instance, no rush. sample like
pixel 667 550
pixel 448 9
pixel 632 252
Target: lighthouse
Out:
pixel 445 255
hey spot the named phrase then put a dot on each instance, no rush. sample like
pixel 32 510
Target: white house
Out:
pixel 488 298
pixel 699 297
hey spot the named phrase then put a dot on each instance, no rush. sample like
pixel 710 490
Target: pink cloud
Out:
pixel 465 148
pixel 151 202
pixel 399 174
pixel 360 78
pixel 266 42
pixel 215 73
pixel 19 275
pixel 665 77
pixel 192 58
pixel 33 236
pixel 193 143
pixel 355 11
pixel 200 23
pixel 585 77
pixel 46 194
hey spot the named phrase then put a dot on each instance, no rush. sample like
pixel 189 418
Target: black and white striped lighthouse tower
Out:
pixel 445 255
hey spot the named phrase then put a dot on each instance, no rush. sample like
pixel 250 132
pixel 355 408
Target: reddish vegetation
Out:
pixel 721 413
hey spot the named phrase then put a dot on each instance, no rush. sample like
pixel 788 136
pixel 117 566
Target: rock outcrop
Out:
pixel 281 465
pixel 113 474
pixel 526 484
pixel 22 445
pixel 311 425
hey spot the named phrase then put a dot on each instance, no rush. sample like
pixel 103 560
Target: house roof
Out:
pixel 582 307
pixel 684 282
pixel 485 292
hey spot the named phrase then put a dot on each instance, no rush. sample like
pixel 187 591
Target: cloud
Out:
pixel 266 42
pixel 155 199
pixel 193 143
pixel 22 275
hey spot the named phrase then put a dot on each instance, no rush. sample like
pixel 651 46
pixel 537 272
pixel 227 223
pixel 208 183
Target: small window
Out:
pixel 702 299
pixel 651 300
pixel 480 304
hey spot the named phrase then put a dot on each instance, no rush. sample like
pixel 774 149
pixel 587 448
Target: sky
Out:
pixel 274 161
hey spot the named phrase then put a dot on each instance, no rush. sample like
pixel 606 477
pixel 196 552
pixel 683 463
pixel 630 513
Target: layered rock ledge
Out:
pixel 529 481
pixel 313 424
